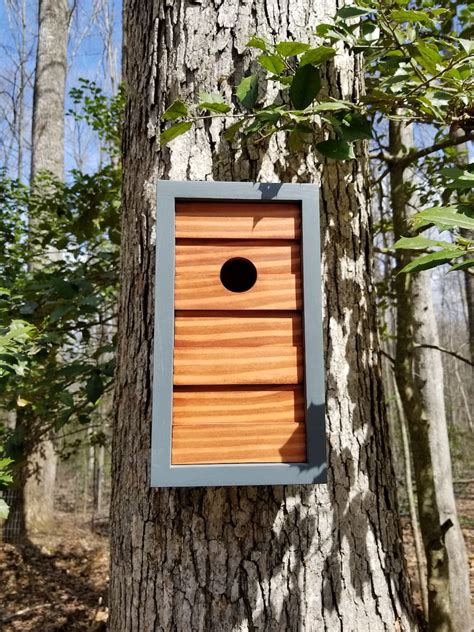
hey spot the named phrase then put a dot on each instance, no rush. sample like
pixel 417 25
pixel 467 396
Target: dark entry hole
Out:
pixel 238 274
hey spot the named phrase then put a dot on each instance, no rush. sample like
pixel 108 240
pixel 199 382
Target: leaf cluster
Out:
pixel 59 248
pixel 459 216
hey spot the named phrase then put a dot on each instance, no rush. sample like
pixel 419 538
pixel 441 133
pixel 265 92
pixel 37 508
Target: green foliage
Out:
pixel 59 247
pixel 247 91
pixel 104 114
pixel 177 110
pixel 415 68
pixel 212 103
pixel 458 252
pixel 305 86
pixel 443 217
pixel 433 259
pixel 174 131
pixel 336 149
pixel 17 345
pixel 6 479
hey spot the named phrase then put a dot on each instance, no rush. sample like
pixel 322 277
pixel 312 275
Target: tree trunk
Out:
pixel 47 142
pixel 419 374
pixel 469 288
pixel 249 558
pixel 412 506
pixel 47 154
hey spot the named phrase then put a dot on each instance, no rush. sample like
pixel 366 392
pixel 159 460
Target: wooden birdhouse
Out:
pixel 238 396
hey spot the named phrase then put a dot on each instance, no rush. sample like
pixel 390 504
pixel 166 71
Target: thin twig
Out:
pixel 22 613
pixel 436 348
pixel 427 81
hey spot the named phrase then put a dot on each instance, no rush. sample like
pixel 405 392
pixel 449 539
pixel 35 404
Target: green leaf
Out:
pixel 272 63
pixel 213 103
pixel 257 42
pixel 463 265
pixel 231 131
pixel 468 45
pixel 94 388
pixel 336 149
pixel 460 179
pixel 354 126
pixel 400 15
pixel 458 216
pixel 271 114
pixel 331 31
pixel 174 131
pixel 434 259
pixel 317 56
pixel 66 398
pixel 305 86
pixel 60 311
pixel 4 509
pixel 247 91
pixel 418 243
pixel 299 137
pixel 370 32
pixel 290 49
pixel 331 106
pixel 353 11
pixel 176 110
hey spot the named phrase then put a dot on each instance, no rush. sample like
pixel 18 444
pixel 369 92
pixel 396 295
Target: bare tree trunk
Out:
pixel 20 122
pixel 249 558
pixel 47 154
pixel 463 159
pixel 415 526
pixel 47 149
pixel 99 458
pixel 419 374
pixel 469 288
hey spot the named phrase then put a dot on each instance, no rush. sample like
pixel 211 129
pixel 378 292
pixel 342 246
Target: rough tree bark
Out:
pixel 420 380
pixel 249 558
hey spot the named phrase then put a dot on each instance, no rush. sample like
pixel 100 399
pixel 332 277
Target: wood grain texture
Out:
pixel 247 405
pixel 238 329
pixel 226 365
pixel 242 220
pixel 271 292
pixel 262 442
pixel 198 284
pixel 207 259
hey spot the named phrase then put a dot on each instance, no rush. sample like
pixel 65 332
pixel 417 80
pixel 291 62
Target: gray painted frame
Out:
pixel 163 473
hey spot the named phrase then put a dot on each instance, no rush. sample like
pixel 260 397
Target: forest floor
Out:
pixel 59 582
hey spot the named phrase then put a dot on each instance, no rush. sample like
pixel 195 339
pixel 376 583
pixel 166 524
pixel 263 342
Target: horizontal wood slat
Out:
pixel 269 292
pixel 236 443
pixel 246 405
pixel 238 330
pixel 208 259
pixel 241 220
pixel 222 365
pixel 198 284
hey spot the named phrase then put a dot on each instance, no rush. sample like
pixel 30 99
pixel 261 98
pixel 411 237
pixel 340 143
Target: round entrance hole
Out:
pixel 238 274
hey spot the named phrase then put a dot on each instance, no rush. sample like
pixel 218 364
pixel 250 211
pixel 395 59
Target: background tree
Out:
pixel 69 301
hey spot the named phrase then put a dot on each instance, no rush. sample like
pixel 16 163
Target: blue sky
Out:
pixel 92 22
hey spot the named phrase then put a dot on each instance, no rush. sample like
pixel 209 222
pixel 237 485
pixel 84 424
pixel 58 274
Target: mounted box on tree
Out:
pixel 238 395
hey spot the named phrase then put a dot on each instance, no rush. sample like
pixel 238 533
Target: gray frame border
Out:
pixel 163 473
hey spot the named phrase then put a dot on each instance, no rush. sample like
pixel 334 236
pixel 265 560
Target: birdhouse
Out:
pixel 238 395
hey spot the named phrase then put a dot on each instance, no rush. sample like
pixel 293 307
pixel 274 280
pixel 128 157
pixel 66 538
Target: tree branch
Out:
pixel 451 353
pixel 426 151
